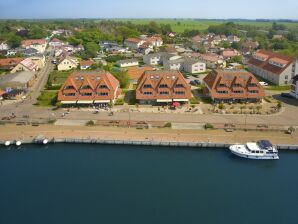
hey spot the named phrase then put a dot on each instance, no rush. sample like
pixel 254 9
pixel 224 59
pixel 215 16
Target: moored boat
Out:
pixel 18 143
pixel 262 149
pixel 7 143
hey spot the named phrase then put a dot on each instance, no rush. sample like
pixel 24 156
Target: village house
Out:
pixel 67 63
pixel 85 64
pixel 55 42
pixel 154 59
pixel 155 41
pixel 274 67
pixel 173 62
pixel 15 94
pixel 4 46
pixel 193 66
pixel 39 60
pixel 248 47
pixel 9 63
pixel 294 87
pixel 134 73
pixel 127 63
pixel 229 53
pixel 233 86
pixel 162 86
pixel 38 44
pixel 213 60
pixel 134 43
pixel 87 88
pixel 233 39
pixel 30 52
pixel 25 65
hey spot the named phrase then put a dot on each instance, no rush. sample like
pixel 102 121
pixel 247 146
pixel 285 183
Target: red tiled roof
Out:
pixel 93 79
pixel 135 73
pixel 265 65
pixel 10 62
pixel 225 80
pixel 133 40
pixel 27 43
pixel 167 77
pixel 86 62
pixel 56 40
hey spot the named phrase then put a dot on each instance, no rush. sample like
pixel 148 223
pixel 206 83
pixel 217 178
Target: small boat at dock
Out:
pixel 18 143
pixel 7 143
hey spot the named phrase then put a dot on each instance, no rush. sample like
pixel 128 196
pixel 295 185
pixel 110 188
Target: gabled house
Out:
pixel 55 42
pixel 233 38
pixel 154 59
pixel 213 60
pixel 67 63
pixel 134 43
pixel 193 66
pixel 162 86
pixel 92 87
pixel 233 86
pixel 229 53
pixel 26 65
pixel 4 46
pixel 85 64
pixel 249 46
pixel 39 44
pixel 135 73
pixel 274 67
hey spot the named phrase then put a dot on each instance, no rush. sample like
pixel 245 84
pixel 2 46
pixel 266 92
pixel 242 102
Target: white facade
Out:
pixel 152 59
pixel 196 67
pixel 67 64
pixel 4 46
pixel 127 63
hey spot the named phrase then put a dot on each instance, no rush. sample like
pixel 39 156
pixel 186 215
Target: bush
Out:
pixel 51 121
pixel 194 100
pixel 209 126
pixel 221 106
pixel 90 123
pixel 168 125
pixel 119 102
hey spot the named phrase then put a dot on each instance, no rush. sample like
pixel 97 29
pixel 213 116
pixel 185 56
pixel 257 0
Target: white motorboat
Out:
pixel 18 143
pixel 7 143
pixel 262 149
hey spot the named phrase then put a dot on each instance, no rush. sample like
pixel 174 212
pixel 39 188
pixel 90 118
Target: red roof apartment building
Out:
pixel 94 87
pixel 233 86
pixel 274 67
pixel 162 86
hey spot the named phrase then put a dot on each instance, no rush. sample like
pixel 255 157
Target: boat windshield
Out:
pixel 265 144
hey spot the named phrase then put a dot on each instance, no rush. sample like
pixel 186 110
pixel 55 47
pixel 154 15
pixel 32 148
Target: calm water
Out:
pixel 122 184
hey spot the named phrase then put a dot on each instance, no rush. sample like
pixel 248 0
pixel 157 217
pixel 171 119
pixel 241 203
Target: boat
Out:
pixel 18 143
pixel 262 149
pixel 40 139
pixel 45 141
pixel 7 143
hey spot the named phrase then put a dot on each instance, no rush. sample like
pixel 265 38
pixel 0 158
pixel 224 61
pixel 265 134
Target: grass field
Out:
pixel 201 24
pixel 59 77
pixel 47 98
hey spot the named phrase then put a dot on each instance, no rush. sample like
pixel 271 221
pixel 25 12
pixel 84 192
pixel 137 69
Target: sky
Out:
pixel 206 9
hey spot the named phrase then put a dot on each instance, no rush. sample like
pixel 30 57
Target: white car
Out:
pixel 263 83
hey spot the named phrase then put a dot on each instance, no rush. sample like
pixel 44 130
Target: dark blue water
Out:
pixel 122 184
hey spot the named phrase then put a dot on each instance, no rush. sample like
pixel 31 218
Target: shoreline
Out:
pixel 133 136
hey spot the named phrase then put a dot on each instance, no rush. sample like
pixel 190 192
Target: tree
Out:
pixel 91 49
pixel 14 41
pixel 122 77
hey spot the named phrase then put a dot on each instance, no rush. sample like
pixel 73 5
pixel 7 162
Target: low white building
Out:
pixel 294 87
pixel 127 63
pixel 67 63
pixel 4 46
pixel 153 59
pixel 134 43
pixel 39 44
pixel 193 66
pixel 173 63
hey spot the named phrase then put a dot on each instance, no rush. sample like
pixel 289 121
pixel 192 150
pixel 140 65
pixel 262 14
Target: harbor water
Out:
pixel 90 183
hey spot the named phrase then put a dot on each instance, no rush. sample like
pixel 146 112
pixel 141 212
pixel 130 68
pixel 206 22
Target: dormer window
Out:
pixel 252 84
pixel 179 86
pixel 278 62
pixel 222 85
pixel 68 87
pixel 163 86
pixel 261 57
pixel 85 87
pixel 147 86
pixel 102 86
pixel 237 85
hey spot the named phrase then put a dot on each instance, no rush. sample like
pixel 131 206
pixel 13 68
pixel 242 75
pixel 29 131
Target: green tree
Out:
pixel 14 41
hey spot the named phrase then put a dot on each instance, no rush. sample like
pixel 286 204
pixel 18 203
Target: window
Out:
pixel 252 84
pixel 68 87
pixel 163 93
pixel 69 94
pixel 147 86
pixel 222 92
pixel 253 91
pixel 85 87
pixel 163 86
pixel 86 94
pixel 147 93
pixel 222 85
pixel 102 94
pixel 102 86
pixel 180 92
pixel 179 86
pixel 238 91
pixel 286 77
pixel 237 85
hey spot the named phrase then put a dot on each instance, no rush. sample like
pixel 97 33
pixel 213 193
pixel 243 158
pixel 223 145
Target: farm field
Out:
pixel 179 25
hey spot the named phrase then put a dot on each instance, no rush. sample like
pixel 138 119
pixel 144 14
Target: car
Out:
pixel 286 95
pixel 193 83
pixel 197 82
pixel 263 83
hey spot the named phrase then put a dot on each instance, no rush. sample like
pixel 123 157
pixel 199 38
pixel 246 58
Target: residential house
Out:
pixel 25 65
pixel 127 63
pixel 193 66
pixel 15 94
pixel 233 38
pixel 173 63
pixel 39 60
pixel 4 46
pixel 9 63
pixel 85 64
pixel 294 87
pixel 249 46
pixel 134 43
pixel 55 42
pixel 155 41
pixel 92 87
pixel 213 60
pixel 39 44
pixel 229 53
pixel 67 63
pixel 29 52
pixel 154 59
pixel 233 86
pixel 162 86
pixel 274 67
pixel 135 73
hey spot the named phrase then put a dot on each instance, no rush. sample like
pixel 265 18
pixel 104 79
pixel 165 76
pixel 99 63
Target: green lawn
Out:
pixel 58 77
pixel 278 88
pixel 47 98
pixel 201 24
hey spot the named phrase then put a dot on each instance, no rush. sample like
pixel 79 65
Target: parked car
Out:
pixel 263 83
pixel 193 83
pixel 197 82
pixel 286 95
